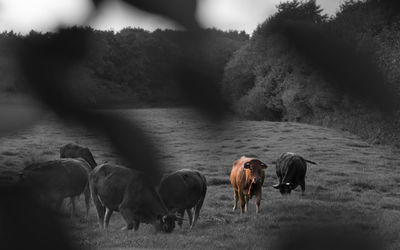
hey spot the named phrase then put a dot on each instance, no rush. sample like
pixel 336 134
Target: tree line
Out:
pixel 132 67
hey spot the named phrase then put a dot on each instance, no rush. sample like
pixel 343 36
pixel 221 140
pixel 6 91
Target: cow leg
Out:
pixel 303 186
pixel 246 199
pixel 181 213
pixel 197 211
pixel 128 217
pixel 136 224
pixel 189 213
pixel 242 202
pixel 278 173
pixel 128 226
pixel 87 201
pixel 258 201
pixel 101 210
pixel 107 217
pixel 235 199
pixel 72 199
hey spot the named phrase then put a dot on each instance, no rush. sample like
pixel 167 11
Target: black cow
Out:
pixel 56 180
pixel 72 150
pixel 116 188
pixel 182 191
pixel 291 170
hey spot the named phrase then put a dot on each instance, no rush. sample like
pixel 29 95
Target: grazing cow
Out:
pixel 116 188
pixel 291 170
pixel 247 178
pixel 183 190
pixel 56 180
pixel 72 150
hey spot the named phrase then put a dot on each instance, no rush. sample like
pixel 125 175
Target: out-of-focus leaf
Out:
pixel 181 11
pixel 14 117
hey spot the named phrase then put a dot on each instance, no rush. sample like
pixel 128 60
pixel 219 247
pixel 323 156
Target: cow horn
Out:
pixel 276 186
pixel 287 183
pixel 179 218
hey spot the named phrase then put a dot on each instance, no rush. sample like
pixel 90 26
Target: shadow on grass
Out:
pixel 218 182
pixel 329 237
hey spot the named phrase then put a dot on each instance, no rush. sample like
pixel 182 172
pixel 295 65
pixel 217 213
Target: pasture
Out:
pixel 355 183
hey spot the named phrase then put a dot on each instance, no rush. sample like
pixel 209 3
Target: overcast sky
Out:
pixel 44 15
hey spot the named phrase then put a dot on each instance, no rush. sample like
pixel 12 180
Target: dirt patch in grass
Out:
pixel 339 174
pixel 355 162
pixel 9 153
pixel 391 206
pixel 48 152
pixel 363 185
pixel 224 197
pixel 334 196
pixel 358 145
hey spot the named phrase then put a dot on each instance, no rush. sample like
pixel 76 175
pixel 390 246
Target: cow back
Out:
pixel 182 189
pixel 291 167
pixel 58 178
pixel 239 177
pixel 110 183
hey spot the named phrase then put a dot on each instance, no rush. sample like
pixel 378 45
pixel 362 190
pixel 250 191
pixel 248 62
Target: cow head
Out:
pixel 87 155
pixel 284 188
pixel 256 170
pixel 167 223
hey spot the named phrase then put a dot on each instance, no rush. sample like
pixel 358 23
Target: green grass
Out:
pixel 353 184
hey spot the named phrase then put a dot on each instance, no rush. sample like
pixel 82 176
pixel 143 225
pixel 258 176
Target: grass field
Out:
pixel 355 183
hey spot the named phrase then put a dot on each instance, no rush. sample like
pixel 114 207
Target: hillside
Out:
pixel 354 186
pixel 336 71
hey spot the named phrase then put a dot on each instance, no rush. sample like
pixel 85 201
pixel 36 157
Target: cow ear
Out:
pixel 246 165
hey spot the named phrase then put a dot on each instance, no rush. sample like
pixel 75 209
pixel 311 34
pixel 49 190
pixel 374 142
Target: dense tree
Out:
pixel 270 78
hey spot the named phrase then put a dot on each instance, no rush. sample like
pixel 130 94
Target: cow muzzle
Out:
pixel 256 180
pixel 167 223
pixel 284 188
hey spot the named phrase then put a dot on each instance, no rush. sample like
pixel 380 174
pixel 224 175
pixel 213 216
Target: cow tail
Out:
pixel 204 191
pixel 91 162
pixel 204 186
pixel 92 187
pixel 311 162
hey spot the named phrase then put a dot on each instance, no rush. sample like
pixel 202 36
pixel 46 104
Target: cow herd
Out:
pixel 114 188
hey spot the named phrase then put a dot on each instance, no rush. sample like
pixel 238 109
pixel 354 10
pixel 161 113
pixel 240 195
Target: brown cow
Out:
pixel 247 178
